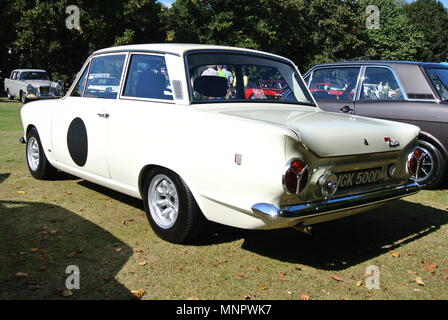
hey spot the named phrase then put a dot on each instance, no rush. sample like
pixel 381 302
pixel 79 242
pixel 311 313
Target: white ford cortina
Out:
pixel 194 131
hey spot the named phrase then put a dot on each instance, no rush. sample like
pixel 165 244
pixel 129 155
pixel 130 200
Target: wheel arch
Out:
pixel 425 136
pixel 145 171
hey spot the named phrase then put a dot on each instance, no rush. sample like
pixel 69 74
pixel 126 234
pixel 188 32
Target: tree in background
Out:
pixel 308 31
pixel 43 41
pixel 431 19
pixel 7 36
pixel 397 38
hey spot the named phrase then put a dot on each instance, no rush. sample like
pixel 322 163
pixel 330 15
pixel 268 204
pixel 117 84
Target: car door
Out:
pixel 334 88
pixel 381 95
pixel 80 121
pixel 142 117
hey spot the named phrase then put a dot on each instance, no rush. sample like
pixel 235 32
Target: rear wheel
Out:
pixel 37 162
pixel 433 166
pixel 10 97
pixel 170 207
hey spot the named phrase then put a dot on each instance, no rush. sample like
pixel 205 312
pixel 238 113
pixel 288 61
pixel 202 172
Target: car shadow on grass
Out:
pixel 334 245
pixel 41 240
pixel 343 243
pixel 131 201
pixel 339 244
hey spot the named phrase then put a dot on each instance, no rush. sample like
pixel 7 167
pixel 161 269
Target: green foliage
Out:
pixel 41 39
pixel 307 31
pixel 431 19
pixel 397 38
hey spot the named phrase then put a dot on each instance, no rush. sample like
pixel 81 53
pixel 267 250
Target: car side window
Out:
pixel 79 88
pixel 380 84
pixel 104 77
pixel 334 83
pixel 148 78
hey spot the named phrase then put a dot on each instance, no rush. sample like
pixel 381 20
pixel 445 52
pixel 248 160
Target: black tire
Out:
pixel 190 220
pixel 43 170
pixel 431 176
pixel 10 97
pixel 23 98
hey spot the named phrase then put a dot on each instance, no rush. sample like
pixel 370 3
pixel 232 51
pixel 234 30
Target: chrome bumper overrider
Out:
pixel 337 204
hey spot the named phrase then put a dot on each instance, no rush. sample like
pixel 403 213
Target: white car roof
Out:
pixel 178 48
pixel 29 70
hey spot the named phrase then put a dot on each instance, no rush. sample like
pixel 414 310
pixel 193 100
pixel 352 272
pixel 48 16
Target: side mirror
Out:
pixel 211 86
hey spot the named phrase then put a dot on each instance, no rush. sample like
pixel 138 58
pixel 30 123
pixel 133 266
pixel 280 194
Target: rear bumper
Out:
pixel 354 203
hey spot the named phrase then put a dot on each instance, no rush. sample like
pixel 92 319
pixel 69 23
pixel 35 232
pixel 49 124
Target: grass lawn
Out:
pixel 46 226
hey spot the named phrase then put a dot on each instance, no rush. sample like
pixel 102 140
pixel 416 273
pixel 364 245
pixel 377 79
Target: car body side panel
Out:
pixel 201 147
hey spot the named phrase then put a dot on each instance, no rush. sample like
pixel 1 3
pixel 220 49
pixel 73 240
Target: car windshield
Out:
pixel 235 77
pixel 34 75
pixel 439 78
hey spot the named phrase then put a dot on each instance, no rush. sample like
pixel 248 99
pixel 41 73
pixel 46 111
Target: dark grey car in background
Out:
pixel 411 92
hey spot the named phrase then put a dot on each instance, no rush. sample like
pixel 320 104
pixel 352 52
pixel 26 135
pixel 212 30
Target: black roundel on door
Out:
pixel 77 141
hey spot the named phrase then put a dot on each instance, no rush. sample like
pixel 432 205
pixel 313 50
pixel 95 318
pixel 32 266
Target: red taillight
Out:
pixel 414 161
pixel 296 176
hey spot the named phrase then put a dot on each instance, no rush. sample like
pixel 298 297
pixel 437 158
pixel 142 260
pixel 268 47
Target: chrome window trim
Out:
pixel 121 95
pixel 121 53
pixel 242 52
pixel 89 65
pixel 405 95
pixel 337 67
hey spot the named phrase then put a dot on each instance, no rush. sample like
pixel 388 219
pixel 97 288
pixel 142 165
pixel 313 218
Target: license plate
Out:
pixel 360 177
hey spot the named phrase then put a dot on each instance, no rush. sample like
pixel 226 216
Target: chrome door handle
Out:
pixel 346 109
pixel 103 115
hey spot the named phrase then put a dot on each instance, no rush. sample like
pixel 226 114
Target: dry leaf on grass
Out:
pixel 394 254
pixel 282 274
pixel 359 283
pixel 430 267
pixel 253 269
pixel 262 287
pixel 142 263
pixel 67 293
pixel 137 294
pixel 241 275
pixel 337 278
pixel 71 254
pixel 247 297
pixel 21 275
pixel 304 297
pixel 21 192
pixel 419 281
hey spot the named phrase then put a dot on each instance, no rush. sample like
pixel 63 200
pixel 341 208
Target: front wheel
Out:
pixel 23 98
pixel 170 207
pixel 37 162
pixel 433 166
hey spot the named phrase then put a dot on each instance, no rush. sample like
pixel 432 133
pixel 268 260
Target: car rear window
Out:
pixel 439 78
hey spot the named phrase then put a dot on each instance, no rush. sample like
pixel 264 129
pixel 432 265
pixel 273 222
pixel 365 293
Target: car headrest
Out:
pixel 211 86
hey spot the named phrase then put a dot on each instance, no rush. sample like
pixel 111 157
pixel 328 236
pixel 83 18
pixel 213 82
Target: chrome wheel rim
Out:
pixel 32 153
pixel 426 166
pixel 163 201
